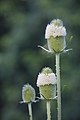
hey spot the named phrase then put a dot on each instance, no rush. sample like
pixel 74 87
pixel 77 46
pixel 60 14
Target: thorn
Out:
pixel 44 49
pixel 67 50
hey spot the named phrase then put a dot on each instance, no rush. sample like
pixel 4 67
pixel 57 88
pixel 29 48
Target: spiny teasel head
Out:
pixel 55 34
pixel 46 82
pixel 28 93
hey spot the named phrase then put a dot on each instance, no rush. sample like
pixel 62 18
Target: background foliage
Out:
pixel 22 28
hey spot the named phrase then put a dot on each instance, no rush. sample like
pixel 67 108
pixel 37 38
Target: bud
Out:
pixel 46 82
pixel 55 34
pixel 28 93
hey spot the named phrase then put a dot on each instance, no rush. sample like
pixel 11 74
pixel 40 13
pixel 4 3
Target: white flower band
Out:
pixel 55 31
pixel 44 79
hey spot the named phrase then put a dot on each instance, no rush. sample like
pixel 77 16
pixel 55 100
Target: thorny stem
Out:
pixel 30 111
pixel 48 110
pixel 58 86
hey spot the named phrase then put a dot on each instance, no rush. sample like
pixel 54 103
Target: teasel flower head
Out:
pixel 28 94
pixel 55 34
pixel 46 82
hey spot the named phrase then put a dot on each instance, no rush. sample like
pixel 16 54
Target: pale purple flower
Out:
pixel 46 79
pixel 55 30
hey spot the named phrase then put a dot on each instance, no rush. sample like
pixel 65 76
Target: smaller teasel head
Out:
pixel 28 93
pixel 55 34
pixel 46 82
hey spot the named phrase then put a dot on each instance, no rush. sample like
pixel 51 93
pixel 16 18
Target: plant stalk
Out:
pixel 30 111
pixel 48 110
pixel 58 85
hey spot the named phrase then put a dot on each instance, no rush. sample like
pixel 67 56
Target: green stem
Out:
pixel 30 111
pixel 58 86
pixel 48 110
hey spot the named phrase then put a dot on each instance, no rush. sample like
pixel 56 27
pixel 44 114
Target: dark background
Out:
pixel 22 29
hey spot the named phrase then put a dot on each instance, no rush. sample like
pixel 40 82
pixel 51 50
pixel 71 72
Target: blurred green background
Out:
pixel 22 29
